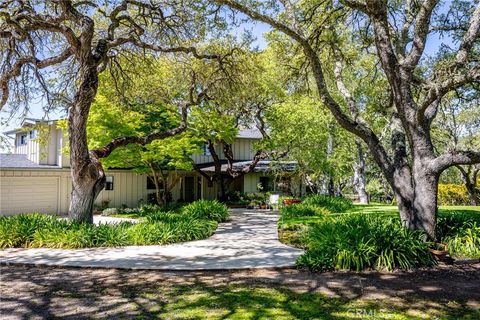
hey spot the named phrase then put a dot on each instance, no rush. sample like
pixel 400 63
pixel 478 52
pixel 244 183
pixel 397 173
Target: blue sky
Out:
pixel 257 30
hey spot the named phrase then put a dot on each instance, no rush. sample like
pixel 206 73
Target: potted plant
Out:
pixel 439 250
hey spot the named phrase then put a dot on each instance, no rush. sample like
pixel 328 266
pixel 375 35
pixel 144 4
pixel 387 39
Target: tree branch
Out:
pixel 422 23
pixel 123 141
pixel 16 69
pixel 454 158
pixel 469 37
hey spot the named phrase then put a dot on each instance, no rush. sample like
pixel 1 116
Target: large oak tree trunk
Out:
pixel 417 204
pixel 88 178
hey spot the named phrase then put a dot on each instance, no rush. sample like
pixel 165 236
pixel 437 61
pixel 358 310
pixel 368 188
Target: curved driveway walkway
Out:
pixel 248 240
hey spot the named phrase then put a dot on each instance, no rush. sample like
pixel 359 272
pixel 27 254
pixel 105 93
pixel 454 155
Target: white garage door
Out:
pixel 28 194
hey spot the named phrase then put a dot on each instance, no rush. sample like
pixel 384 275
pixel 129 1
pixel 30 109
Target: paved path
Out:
pixel 248 240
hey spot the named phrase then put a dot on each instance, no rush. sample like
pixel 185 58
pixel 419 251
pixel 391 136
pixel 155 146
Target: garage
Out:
pixel 29 194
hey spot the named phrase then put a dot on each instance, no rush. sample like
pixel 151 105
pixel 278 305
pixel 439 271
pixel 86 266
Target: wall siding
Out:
pixel 129 189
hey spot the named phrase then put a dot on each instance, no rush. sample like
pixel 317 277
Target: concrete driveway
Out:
pixel 248 240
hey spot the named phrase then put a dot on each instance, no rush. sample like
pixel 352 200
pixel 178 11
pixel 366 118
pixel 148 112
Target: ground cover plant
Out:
pixel 371 237
pixel 197 221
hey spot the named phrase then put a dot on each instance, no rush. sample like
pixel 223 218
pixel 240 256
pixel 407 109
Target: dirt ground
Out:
pixel 75 293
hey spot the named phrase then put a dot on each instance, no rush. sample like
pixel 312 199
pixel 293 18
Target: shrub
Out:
pixel 36 230
pixel 452 194
pixel 461 231
pixel 333 204
pixel 207 209
pixel 357 242
pixel 302 210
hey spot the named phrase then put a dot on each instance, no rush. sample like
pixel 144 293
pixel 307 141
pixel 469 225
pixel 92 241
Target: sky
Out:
pixel 256 29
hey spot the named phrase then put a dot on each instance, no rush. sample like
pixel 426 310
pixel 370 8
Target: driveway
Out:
pixel 248 240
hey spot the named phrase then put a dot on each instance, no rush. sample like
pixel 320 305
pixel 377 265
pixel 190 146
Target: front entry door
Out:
pixel 189 189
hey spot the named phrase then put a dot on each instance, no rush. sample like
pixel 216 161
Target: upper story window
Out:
pixel 33 134
pixel 22 140
pixel 206 151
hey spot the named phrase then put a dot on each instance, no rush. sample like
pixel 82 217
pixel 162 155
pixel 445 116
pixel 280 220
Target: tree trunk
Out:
pixel 471 183
pixel 473 194
pixel 359 179
pixel 88 178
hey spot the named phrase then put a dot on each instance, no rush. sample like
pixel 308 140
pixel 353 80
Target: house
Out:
pixel 36 176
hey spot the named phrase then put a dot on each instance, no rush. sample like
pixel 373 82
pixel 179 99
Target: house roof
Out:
pixel 30 121
pixel 263 166
pixel 8 160
pixel 250 133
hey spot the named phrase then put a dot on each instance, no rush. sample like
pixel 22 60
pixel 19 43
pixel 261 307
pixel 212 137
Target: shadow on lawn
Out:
pixel 72 293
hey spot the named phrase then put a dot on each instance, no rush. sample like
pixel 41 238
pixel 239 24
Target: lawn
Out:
pixel 375 208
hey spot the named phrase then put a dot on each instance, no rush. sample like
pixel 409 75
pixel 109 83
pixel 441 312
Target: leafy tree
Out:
pixel 240 103
pixel 458 127
pixel 59 48
pixel 394 34
pixel 322 150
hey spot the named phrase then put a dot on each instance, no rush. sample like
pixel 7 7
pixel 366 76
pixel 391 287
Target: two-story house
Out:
pixel 36 176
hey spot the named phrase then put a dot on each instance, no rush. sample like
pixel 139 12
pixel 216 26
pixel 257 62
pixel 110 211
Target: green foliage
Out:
pixel 196 221
pixel 461 232
pixel 302 210
pixel 333 204
pixel 452 194
pixel 298 128
pixel 206 209
pixel 357 242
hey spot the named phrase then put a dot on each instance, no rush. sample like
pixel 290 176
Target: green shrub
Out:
pixel 357 242
pixel 302 210
pixel 461 231
pixel 452 194
pixel 333 204
pixel 36 230
pixel 207 209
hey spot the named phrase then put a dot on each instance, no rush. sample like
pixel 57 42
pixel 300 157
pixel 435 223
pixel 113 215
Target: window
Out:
pixel 206 152
pixel 109 183
pixel 266 183
pixel 23 140
pixel 33 134
pixel 151 184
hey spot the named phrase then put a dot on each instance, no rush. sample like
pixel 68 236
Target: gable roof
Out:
pixel 250 133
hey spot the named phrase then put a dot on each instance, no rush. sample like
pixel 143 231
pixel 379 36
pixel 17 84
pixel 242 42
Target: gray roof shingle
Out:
pixel 249 134
pixel 8 160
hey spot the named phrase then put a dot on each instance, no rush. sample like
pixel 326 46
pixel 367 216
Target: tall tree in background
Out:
pixel 396 33
pixel 62 46
pixel 236 105
pixel 458 126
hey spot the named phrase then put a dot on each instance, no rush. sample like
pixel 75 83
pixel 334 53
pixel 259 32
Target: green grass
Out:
pixel 155 228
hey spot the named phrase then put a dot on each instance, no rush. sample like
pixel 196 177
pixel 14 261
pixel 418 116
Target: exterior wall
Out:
pixel 33 151
pixel 243 149
pixel 48 153
pixel 209 192
pixel 48 191
pixel 250 182
pixel 41 191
